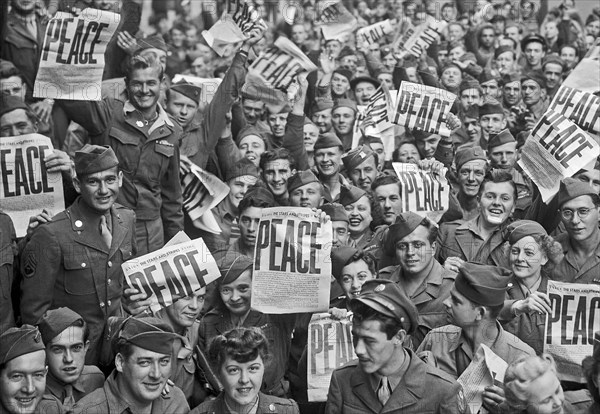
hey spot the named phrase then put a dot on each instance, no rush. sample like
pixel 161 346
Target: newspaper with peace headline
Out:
pixel 279 65
pixel 292 265
pixel 571 326
pixel 233 27
pixel 373 33
pixel 334 19
pixel 26 187
pixel 423 192
pixel 177 270
pixel 486 369
pixel 329 347
pixel 416 40
pixel 424 108
pixel 556 148
pixel 72 55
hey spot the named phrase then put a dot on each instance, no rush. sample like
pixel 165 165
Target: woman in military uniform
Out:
pixel 238 357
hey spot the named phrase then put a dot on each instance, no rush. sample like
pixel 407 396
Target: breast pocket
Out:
pixel 78 278
pixel 155 161
pixel 127 150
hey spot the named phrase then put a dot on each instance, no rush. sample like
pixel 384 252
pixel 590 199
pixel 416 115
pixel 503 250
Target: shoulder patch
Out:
pixel 29 265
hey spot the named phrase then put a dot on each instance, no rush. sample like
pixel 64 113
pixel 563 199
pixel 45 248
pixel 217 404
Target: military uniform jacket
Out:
pixel 528 327
pixel 91 379
pixel 8 249
pixel 428 298
pixel 267 404
pixel 422 390
pixel 461 239
pixel 453 354
pixel 109 400
pixel 148 157
pixel 568 270
pixel 278 330
pixel 66 263
pixel 21 48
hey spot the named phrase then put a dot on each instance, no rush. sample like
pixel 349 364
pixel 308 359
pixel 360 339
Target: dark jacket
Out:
pixel 150 162
pixel 66 263
pixel 423 389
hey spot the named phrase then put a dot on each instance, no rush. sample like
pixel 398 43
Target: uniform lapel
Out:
pixel 409 391
pixel 362 390
pixel 119 231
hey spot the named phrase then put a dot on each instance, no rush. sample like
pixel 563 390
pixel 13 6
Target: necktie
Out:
pixel 32 27
pixel 69 400
pixel 383 392
pixel 105 231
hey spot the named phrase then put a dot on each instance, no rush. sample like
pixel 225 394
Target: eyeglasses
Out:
pixel 568 214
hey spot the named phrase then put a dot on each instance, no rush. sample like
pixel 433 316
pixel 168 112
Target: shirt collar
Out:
pixel 57 387
pixel 163 117
pixel 393 379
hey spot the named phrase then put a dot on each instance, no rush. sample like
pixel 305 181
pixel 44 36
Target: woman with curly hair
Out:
pixel 238 357
pixel 531 386
pixel 531 253
pixel 365 219
pixel 591 371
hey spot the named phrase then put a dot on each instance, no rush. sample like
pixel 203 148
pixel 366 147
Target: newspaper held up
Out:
pixel 556 149
pixel 280 64
pixel 417 40
pixel 26 187
pixel 571 326
pixel 334 19
pixel 486 369
pixel 72 56
pixel 173 272
pixel 373 33
pixel 329 347
pixel 423 192
pixel 424 108
pixel 292 265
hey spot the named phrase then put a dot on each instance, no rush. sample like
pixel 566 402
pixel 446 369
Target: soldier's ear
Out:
pixel 119 360
pixel 399 337
pixel 77 185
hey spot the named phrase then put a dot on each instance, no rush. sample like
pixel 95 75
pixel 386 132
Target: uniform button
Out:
pixel 101 304
pixel 83 265
pixel 271 407
pixel 109 263
pixel 108 282
pixel 109 303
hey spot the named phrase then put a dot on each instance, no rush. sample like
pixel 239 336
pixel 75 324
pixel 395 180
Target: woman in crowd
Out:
pixel 531 253
pixel 238 357
pixel 233 294
pixel 364 217
pixel 532 386
pixel 351 268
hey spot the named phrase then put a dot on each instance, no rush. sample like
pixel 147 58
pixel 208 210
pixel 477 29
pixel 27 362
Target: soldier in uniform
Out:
pixel 579 207
pixel 481 238
pixel 473 307
pixel 387 376
pixel 65 335
pixel 502 151
pixel 362 166
pixel 143 364
pixel 305 190
pixel 182 316
pixel 75 259
pixel 422 278
pixel 23 373
pixel 146 142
